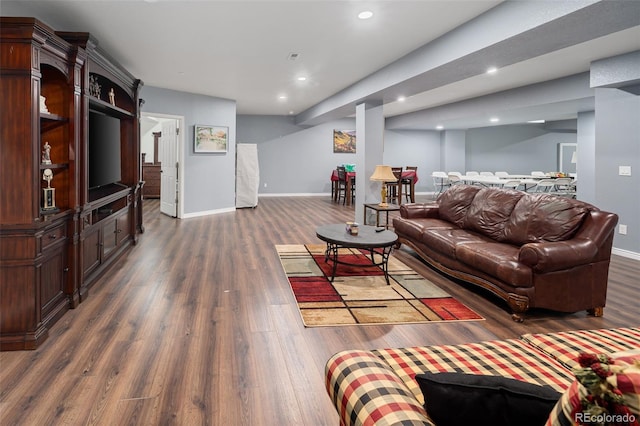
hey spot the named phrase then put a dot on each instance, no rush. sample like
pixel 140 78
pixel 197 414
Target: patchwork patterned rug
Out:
pixel 359 294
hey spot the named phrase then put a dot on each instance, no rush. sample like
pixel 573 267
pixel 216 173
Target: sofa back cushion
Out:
pixel 454 203
pixel 490 211
pixel 545 217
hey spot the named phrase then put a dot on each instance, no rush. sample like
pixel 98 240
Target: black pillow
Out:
pixel 467 399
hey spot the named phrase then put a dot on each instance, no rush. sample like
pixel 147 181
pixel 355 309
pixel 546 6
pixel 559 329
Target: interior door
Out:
pixel 168 156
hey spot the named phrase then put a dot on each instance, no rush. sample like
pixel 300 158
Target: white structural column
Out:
pixel 369 150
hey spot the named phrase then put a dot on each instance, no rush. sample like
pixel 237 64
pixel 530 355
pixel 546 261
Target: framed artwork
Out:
pixel 344 141
pixel 210 139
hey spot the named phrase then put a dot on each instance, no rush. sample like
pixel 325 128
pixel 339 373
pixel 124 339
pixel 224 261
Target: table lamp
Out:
pixel 383 174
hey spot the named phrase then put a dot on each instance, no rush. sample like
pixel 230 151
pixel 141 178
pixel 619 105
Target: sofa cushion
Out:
pixel 445 240
pixel 455 201
pixel 453 399
pixel 490 211
pixel 413 228
pixel 499 260
pixel 565 346
pixel 510 358
pixel 544 217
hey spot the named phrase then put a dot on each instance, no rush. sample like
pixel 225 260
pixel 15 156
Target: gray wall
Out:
pixel 209 179
pixel 419 148
pixel 517 149
pixel 618 144
pixel 293 159
pixel 299 160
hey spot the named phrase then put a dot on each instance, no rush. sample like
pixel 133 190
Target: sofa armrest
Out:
pixel 592 243
pixel 419 210
pixel 549 257
pixel 366 391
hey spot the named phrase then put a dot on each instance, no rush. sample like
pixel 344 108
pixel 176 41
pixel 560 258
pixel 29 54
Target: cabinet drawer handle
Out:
pixel 65 270
pixel 119 231
pixel 52 236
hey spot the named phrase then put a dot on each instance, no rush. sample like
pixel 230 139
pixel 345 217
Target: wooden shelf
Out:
pixel 102 106
pixel 54 166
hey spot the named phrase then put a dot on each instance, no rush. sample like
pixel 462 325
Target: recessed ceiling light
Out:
pixel 492 70
pixel 401 98
pixel 366 14
pixel 494 119
pixel 282 97
pixel 302 78
pixel 439 127
pixel 535 121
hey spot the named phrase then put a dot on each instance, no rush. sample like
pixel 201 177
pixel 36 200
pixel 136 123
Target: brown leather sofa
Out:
pixel 531 250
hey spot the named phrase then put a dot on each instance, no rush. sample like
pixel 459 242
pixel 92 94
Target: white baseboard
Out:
pixel 626 253
pixel 208 213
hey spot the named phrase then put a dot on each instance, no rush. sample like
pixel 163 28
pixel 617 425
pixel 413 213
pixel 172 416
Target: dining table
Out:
pixel 406 175
pixel 527 181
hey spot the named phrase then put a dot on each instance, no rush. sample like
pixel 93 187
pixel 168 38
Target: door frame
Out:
pixel 180 141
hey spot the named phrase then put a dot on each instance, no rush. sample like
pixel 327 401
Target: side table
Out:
pixel 378 208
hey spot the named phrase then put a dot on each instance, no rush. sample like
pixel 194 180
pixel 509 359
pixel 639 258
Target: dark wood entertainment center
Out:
pixel 55 244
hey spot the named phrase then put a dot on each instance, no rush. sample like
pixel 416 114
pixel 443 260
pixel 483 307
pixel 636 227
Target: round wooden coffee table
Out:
pixel 368 238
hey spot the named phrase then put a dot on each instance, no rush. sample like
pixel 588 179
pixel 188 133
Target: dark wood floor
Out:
pixel 197 326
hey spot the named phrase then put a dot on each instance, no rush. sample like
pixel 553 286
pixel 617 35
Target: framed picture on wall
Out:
pixel 210 139
pixel 344 141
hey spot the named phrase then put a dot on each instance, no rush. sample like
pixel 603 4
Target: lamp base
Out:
pixel 383 196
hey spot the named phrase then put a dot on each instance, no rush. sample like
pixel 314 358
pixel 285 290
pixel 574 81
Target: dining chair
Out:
pixel 342 184
pixel 406 183
pixel 392 187
pixel 440 181
pixel 564 187
pixel 454 179
pixel 512 184
pixel 472 173
pixel 538 173
pixel 544 185
pixel 501 174
pixel 486 173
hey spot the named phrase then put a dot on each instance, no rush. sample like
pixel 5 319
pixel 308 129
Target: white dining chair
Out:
pixel 512 184
pixel 440 181
pixel 564 187
pixel 454 179
pixel 544 185
pixel 501 174
pixel 486 173
pixel 538 173
pixel 472 173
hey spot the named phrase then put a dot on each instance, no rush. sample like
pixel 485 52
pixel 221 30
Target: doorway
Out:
pixel 162 142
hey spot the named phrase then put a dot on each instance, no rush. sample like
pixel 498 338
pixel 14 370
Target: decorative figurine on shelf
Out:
pixel 95 89
pixel 46 153
pixel 112 97
pixel 43 104
pixel 49 199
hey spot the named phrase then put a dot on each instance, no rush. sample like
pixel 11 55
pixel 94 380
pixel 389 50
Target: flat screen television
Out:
pixel 104 150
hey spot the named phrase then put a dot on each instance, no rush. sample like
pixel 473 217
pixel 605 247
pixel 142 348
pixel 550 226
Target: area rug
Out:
pixel 360 294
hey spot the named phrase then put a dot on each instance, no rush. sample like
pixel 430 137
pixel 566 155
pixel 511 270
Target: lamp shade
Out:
pixel 383 174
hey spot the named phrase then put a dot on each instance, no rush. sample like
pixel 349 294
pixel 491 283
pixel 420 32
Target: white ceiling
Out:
pixel 240 49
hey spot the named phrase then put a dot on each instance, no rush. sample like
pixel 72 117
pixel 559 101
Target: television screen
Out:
pixel 104 150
